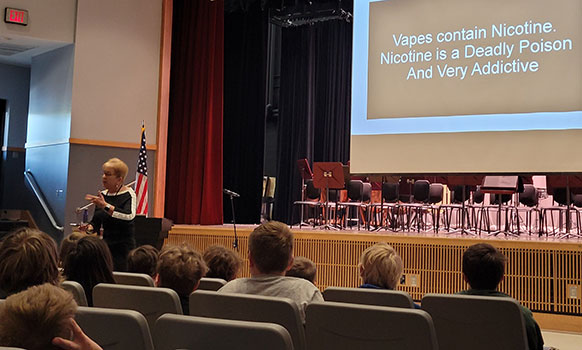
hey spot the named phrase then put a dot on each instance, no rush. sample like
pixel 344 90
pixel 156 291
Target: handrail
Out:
pixel 32 182
pixel 87 206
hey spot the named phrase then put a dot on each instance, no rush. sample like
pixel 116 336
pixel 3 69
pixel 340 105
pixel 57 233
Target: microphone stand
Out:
pixel 235 242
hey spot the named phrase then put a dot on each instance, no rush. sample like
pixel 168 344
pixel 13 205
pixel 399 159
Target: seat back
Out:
pixel 151 302
pixel 247 307
pixel 378 297
pixel 355 190
pixel 133 279
pixel 311 191
pixel 458 194
pixel 560 195
pixel 494 198
pixel 214 284
pixel 435 193
pixel 478 197
pixel 476 322
pixel 188 332
pixel 10 348
pixel 332 325
pixel 367 192
pixel 421 191
pixel 77 290
pixel 115 329
pixel 529 196
pixel 390 192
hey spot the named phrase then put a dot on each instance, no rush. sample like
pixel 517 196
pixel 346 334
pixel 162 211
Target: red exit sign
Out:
pixel 16 16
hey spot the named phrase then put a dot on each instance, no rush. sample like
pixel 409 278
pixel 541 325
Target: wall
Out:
pixel 117 57
pixel 47 148
pixel 14 86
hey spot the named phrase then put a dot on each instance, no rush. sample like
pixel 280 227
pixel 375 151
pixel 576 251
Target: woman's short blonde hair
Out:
pixel 119 167
pixel 381 266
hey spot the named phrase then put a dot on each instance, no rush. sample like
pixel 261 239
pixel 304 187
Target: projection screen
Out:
pixel 466 86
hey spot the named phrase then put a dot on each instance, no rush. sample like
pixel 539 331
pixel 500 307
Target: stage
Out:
pixel 544 274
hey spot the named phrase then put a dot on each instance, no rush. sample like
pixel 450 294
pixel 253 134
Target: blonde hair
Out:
pixel 119 167
pixel 31 319
pixel 380 265
pixel 180 268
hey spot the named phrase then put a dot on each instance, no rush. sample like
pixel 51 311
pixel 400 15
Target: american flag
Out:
pixel 141 177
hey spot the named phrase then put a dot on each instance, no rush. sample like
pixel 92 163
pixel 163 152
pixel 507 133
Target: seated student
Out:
pixel 67 244
pixel 222 262
pixel 180 268
pixel 28 257
pixel 41 318
pixel 89 263
pixel 270 256
pixel 381 268
pixel 483 270
pixel 303 268
pixel 143 259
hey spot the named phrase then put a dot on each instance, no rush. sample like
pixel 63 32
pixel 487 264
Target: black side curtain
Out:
pixel 245 48
pixel 314 104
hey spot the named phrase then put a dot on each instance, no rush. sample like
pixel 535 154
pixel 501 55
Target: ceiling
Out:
pixel 17 50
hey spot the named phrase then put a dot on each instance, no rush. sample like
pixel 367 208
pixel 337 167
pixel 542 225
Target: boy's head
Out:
pixel 222 262
pixel 68 244
pixel 303 268
pixel 483 266
pixel 180 268
pixel 143 259
pixel 32 318
pixel 271 248
pixel 381 266
pixel 28 257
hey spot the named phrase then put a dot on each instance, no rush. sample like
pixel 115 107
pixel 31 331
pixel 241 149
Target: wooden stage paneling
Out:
pixel 541 274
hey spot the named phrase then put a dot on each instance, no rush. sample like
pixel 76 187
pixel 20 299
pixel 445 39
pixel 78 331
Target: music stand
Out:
pixel 501 185
pixel 328 175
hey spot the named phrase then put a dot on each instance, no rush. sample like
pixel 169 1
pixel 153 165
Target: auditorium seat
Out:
pixel 188 332
pixel 213 284
pixel 341 326
pixel 133 279
pixel 246 307
pixel 378 297
pixel 9 348
pixel 151 302
pixel 115 329
pixel 476 322
pixel 77 290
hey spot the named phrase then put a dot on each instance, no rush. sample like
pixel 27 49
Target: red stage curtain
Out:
pixel 194 168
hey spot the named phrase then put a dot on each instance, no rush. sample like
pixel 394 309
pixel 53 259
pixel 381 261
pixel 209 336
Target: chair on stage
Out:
pixel 188 332
pixel 457 208
pixel 149 301
pixel 212 284
pixel 246 307
pixel 414 211
pixel 340 326
pixel 77 290
pixel 115 329
pixel 365 296
pixel 356 202
pixel 529 200
pixel 133 279
pixel 476 322
pixel 311 200
pixel 388 208
pixel 435 196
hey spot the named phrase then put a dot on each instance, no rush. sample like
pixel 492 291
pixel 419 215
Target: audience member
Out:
pixel 67 244
pixel 222 262
pixel 270 256
pixel 180 268
pixel 41 318
pixel 380 267
pixel 303 268
pixel 89 263
pixel 483 270
pixel 143 259
pixel 28 257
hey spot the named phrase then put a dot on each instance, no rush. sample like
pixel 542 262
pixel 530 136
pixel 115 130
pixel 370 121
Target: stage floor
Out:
pixel 544 274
